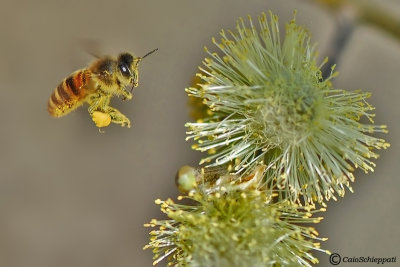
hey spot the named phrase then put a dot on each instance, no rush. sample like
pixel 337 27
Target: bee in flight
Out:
pixel 95 85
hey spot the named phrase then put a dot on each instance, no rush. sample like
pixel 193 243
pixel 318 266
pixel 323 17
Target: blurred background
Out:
pixel 71 196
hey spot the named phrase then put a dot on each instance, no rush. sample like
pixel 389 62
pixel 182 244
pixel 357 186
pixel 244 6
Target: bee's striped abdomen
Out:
pixel 69 94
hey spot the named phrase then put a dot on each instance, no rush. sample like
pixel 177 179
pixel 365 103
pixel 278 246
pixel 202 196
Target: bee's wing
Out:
pixel 92 47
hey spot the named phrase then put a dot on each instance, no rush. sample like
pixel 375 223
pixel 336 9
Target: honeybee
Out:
pixel 104 78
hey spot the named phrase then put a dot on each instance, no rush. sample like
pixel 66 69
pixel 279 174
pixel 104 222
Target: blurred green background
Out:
pixel 70 196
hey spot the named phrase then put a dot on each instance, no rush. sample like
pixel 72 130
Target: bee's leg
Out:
pixel 95 101
pixel 93 106
pixel 97 106
pixel 101 103
pixel 117 117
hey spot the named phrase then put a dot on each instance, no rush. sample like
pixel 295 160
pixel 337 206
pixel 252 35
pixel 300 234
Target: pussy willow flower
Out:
pixel 236 228
pixel 269 104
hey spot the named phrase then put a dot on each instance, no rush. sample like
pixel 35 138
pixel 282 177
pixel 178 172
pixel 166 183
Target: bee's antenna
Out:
pixel 151 52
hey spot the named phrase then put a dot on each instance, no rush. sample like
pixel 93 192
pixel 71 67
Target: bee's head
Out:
pixel 128 68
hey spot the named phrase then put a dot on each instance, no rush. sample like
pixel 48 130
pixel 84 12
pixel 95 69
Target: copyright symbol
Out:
pixel 334 259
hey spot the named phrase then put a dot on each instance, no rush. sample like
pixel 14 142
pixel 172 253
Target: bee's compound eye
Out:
pixel 124 70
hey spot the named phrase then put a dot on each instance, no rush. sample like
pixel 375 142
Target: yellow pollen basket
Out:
pixel 101 119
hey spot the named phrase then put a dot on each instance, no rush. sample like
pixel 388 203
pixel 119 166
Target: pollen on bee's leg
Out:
pixel 117 117
pixel 101 119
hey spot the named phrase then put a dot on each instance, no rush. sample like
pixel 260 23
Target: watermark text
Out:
pixel 336 259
